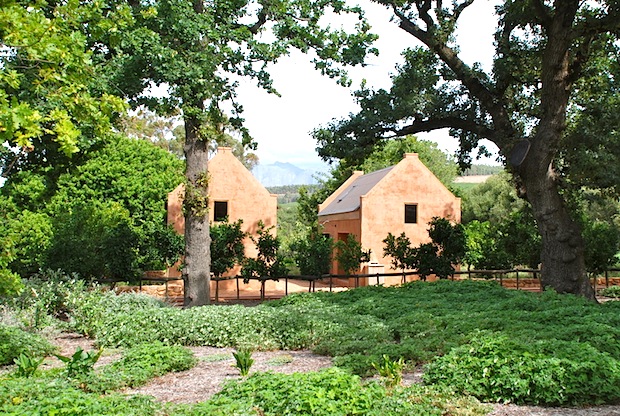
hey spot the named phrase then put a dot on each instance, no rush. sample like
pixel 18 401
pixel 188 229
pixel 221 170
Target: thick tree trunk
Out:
pixel 562 256
pixel 197 269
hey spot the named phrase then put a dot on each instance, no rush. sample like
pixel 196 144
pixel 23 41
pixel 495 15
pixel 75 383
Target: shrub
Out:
pixel 21 396
pixel 328 392
pixel 138 365
pixel 14 342
pixel 611 292
pixel 81 363
pixel 494 367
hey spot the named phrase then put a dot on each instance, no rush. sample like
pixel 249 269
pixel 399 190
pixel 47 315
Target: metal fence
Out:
pixel 520 279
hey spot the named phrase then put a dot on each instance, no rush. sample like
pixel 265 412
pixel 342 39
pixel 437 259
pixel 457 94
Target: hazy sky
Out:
pixel 282 125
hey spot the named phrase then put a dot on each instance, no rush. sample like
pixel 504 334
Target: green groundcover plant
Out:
pixel 476 338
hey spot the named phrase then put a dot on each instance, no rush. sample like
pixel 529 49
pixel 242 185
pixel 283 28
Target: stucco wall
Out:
pixel 247 199
pixel 382 209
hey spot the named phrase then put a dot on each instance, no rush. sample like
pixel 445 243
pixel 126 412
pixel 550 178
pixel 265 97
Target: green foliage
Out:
pixel 95 240
pixel 399 249
pixel 611 291
pixel 227 249
pixel 447 248
pixel 10 283
pixel 545 343
pixel 14 342
pixel 312 253
pixel 48 99
pixel 328 392
pixel 390 370
pixel 602 241
pixel 243 361
pixel 102 217
pixel 27 365
pixel 81 363
pixel 138 365
pixel 22 396
pixel 510 243
pixel 494 367
pixel 494 200
pixel 350 254
pixel 269 262
pixel 391 152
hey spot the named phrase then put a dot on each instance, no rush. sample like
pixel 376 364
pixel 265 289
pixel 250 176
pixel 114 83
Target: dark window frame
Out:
pixel 411 213
pixel 217 211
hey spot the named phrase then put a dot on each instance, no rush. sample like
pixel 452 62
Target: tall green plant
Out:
pixel 227 248
pixel 312 253
pixel 350 254
pixel 269 263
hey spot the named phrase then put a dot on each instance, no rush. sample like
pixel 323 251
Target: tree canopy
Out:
pixel 551 60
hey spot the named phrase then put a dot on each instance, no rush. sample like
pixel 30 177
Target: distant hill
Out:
pixel 281 174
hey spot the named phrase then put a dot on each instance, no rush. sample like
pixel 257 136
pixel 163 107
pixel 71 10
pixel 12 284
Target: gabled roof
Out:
pixel 349 199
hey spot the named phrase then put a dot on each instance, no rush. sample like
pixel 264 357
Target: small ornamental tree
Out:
pixel 350 255
pixel 227 249
pixel 269 264
pixel 400 250
pixel 313 253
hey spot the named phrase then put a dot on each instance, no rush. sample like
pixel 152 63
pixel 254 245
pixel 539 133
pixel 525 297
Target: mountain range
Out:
pixel 281 173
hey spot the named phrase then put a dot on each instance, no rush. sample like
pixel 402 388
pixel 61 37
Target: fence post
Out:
pixel 285 285
pixel 217 290
pixel 517 270
pixel 238 294
pixel 331 282
pixel 606 278
pixel 378 281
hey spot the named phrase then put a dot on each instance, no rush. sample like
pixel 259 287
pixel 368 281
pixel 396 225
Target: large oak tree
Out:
pixel 546 53
pixel 197 51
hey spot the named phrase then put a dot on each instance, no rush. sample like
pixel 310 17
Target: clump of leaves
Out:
pixel 138 365
pixel 391 371
pixel 81 363
pixel 243 361
pixel 14 342
pixel 497 368
pixel 27 365
pixel 611 292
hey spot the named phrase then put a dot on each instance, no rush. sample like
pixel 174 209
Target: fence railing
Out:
pixel 329 281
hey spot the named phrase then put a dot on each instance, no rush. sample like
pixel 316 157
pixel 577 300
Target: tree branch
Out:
pixel 463 73
pixel 419 126
pixel 262 19
pixel 542 12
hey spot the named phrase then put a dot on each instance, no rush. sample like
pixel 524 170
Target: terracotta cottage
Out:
pixel 234 193
pixel 401 198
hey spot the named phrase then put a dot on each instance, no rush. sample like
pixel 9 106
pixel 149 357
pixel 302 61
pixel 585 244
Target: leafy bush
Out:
pixel 495 367
pixel 21 396
pixel 391 371
pixel 328 392
pixel 14 342
pixel 138 365
pixel 612 292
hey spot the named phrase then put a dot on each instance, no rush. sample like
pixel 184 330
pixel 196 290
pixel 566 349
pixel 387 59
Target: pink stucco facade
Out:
pixel 231 185
pixel 373 205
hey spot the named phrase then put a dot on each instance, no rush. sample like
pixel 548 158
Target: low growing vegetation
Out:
pixel 476 340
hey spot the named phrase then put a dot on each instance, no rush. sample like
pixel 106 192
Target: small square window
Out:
pixel 411 213
pixel 220 210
